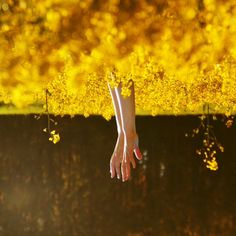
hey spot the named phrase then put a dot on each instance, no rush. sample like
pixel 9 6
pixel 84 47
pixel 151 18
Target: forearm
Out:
pixel 127 110
pixel 116 109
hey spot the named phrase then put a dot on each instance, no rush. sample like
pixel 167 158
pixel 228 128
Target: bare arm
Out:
pixel 127 141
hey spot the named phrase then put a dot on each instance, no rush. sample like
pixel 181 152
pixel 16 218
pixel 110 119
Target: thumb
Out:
pixel 138 153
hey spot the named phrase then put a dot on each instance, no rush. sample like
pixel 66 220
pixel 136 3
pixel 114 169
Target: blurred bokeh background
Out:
pixel 182 52
pixel 65 189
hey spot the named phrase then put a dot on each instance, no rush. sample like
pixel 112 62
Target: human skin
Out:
pixel 127 140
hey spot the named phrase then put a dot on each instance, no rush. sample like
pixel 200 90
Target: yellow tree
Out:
pixel 180 54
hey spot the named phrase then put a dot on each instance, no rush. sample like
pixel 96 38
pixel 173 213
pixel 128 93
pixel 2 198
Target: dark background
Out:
pixel 65 189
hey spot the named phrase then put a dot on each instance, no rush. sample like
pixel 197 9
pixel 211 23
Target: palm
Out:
pixel 123 156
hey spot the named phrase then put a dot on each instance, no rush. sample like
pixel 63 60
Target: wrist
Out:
pixel 131 134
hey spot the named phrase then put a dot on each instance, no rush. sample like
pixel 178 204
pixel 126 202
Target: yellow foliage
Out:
pixel 180 56
pixel 212 164
pixel 54 137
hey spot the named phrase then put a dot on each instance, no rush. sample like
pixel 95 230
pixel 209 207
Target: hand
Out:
pixel 123 156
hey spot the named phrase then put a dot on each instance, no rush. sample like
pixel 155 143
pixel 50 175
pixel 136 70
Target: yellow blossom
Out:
pixel 54 137
pixel 180 56
pixel 212 164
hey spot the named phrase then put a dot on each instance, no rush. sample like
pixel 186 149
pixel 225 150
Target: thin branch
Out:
pixel 48 116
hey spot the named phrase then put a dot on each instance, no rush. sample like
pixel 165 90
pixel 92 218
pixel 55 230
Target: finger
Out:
pixel 138 153
pixel 127 170
pixel 129 157
pixel 118 174
pixel 112 168
pixel 123 170
pixel 133 162
pixel 127 165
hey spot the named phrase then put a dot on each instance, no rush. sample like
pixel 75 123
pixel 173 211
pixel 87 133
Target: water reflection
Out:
pixel 65 189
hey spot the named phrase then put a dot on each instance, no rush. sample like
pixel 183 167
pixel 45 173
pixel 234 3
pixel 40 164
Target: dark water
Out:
pixel 65 189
